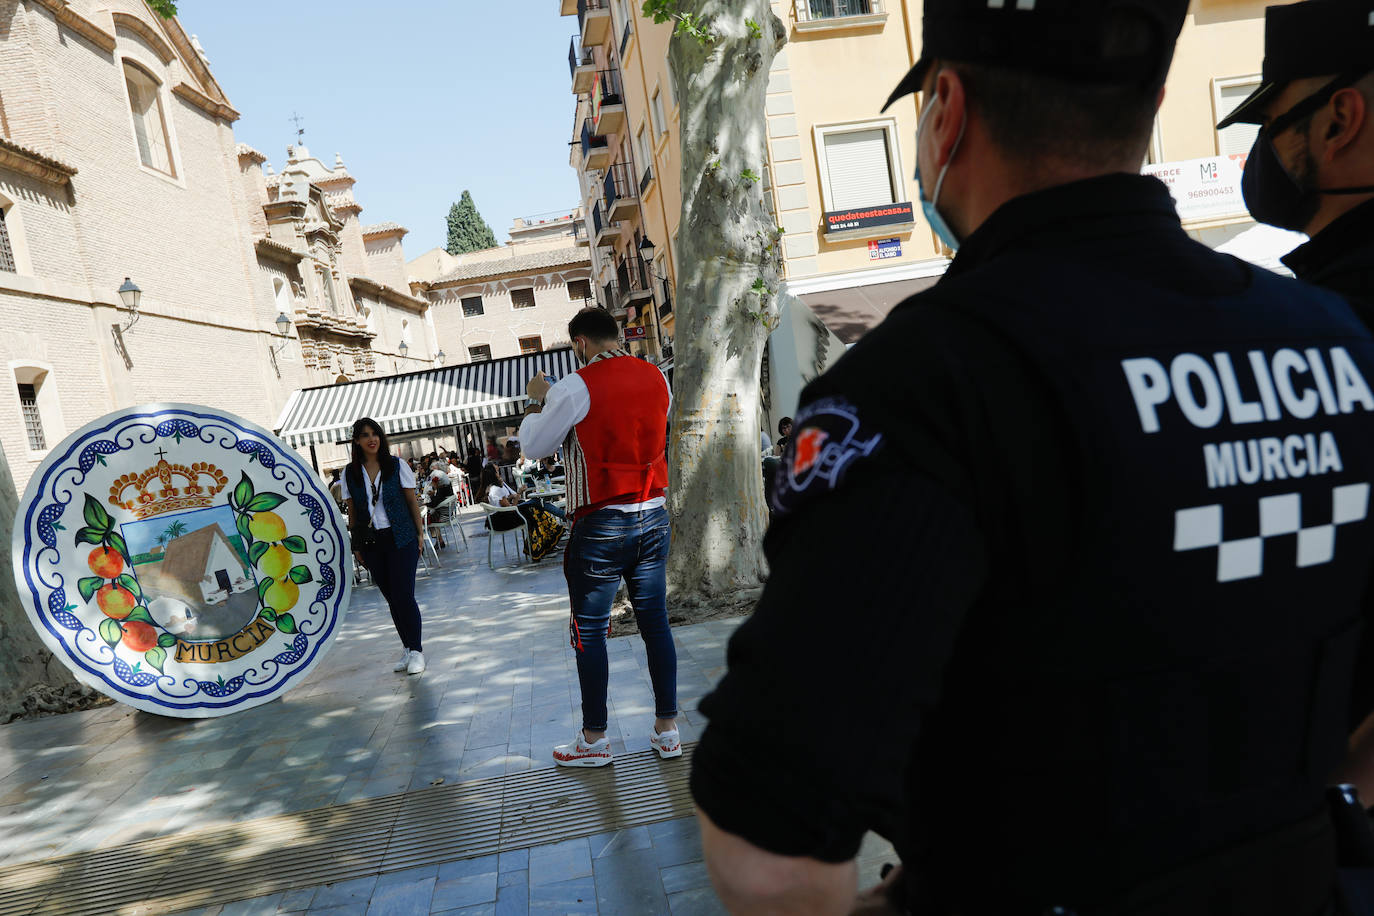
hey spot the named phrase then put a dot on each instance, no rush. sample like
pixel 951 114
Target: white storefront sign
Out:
pixel 1203 189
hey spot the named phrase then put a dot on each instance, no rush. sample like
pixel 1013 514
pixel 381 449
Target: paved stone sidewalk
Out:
pixel 500 691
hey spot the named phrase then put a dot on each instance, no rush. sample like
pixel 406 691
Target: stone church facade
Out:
pixel 118 160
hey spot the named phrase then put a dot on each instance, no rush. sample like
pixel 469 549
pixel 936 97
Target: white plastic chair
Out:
pixel 521 530
pixel 427 547
pixel 446 515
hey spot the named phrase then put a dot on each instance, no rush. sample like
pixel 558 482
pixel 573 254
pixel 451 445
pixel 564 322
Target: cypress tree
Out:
pixel 467 231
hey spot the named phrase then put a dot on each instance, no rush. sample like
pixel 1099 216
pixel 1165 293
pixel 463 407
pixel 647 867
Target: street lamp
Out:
pixel 131 296
pixel 402 349
pixel 646 255
pixel 440 357
pixel 283 324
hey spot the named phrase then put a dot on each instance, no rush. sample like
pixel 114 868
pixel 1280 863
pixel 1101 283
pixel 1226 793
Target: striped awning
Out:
pixel 418 401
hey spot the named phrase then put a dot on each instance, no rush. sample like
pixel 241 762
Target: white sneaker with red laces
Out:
pixel 668 744
pixel 582 754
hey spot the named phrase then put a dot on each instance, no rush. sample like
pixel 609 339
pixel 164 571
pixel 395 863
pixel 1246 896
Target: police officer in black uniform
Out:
pixel 1071 551
pixel 1312 167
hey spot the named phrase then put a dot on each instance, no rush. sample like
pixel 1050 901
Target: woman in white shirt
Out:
pixel 384 518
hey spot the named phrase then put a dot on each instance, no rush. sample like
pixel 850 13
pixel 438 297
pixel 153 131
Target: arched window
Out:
pixel 150 122
pixel 38 406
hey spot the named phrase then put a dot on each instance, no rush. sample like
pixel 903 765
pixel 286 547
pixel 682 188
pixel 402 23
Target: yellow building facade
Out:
pixel 840 171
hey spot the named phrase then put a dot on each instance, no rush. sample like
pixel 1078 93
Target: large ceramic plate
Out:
pixel 182 560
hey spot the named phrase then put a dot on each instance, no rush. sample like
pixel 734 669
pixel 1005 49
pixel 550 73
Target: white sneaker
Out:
pixel 417 663
pixel 582 754
pixel 668 744
pixel 403 662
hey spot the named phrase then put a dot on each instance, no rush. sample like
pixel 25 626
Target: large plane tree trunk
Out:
pixel 31 679
pixel 729 273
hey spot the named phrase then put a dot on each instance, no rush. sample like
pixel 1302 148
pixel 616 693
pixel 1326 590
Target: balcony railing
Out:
pixel 618 186
pixel 579 57
pixel 609 82
pixel 667 307
pixel 580 232
pixel 602 224
pixel 590 139
pixel 583 6
pixel 633 280
pixel 813 10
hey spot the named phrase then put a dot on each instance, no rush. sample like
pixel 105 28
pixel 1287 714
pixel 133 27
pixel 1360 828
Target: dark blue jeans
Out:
pixel 605 547
pixel 393 569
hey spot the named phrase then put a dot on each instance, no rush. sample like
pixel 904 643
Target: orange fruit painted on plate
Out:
pixel 117 602
pixel 282 596
pixel 275 562
pixel 267 526
pixel 105 562
pixel 140 636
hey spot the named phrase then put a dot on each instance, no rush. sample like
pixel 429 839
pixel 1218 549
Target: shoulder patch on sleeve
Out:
pixel 830 436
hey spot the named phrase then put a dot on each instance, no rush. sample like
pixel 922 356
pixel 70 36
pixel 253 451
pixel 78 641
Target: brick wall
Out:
pixel 502 325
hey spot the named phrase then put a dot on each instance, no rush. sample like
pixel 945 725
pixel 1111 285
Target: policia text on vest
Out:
pixel 1261 386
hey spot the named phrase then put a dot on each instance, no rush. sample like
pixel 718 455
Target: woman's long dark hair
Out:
pixel 384 456
pixel 490 478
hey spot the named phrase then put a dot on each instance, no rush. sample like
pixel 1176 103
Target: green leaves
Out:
pixel 265 501
pixel 263 586
pixel 299 574
pixel 286 623
pixel 88 587
pixel 243 492
pixel 90 536
pixel 295 543
pixel 256 551
pixel 155 657
pixel 166 640
pixel 118 544
pixel 166 9
pixel 268 614
pixel 141 614
pixel 241 523
pixel 755 30
pixel 111 632
pixel 129 582
pixel 750 176
pixel 96 516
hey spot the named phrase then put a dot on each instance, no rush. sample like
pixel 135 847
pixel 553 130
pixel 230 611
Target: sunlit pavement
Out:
pixel 499 692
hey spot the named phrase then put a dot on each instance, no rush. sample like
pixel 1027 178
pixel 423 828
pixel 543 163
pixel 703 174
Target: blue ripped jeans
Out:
pixel 605 547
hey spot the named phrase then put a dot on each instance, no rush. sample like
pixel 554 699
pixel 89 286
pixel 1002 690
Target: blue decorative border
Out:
pixel 328 540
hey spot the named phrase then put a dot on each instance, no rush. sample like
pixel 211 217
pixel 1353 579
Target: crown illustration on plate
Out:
pixel 152 491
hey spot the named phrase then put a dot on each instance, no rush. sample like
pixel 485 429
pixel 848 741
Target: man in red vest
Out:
pixel 611 418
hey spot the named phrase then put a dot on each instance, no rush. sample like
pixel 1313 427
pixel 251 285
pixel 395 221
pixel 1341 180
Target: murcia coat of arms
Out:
pixel 181 560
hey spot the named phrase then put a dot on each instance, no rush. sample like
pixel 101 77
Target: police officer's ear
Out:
pixel 947 90
pixel 1349 116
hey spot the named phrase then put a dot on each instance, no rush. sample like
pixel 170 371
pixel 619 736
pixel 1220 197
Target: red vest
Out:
pixel 623 436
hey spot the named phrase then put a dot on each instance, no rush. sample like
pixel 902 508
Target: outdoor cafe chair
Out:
pixel 447 514
pixel 426 545
pixel 521 531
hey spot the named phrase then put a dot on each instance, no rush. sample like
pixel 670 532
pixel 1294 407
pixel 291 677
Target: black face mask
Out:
pixel 1272 194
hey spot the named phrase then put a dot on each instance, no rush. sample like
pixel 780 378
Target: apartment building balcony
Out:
pixel 582 64
pixel 635 285
pixel 605 233
pixel 610 300
pixel 581 237
pixel 593 21
pixel 567 7
pixel 825 15
pixel 608 105
pixel 596 150
pixel 619 193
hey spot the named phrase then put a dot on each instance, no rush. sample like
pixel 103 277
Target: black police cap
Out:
pixel 1301 40
pixel 1061 38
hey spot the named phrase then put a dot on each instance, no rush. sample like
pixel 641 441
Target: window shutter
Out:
pixel 859 172
pixel 1237 139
